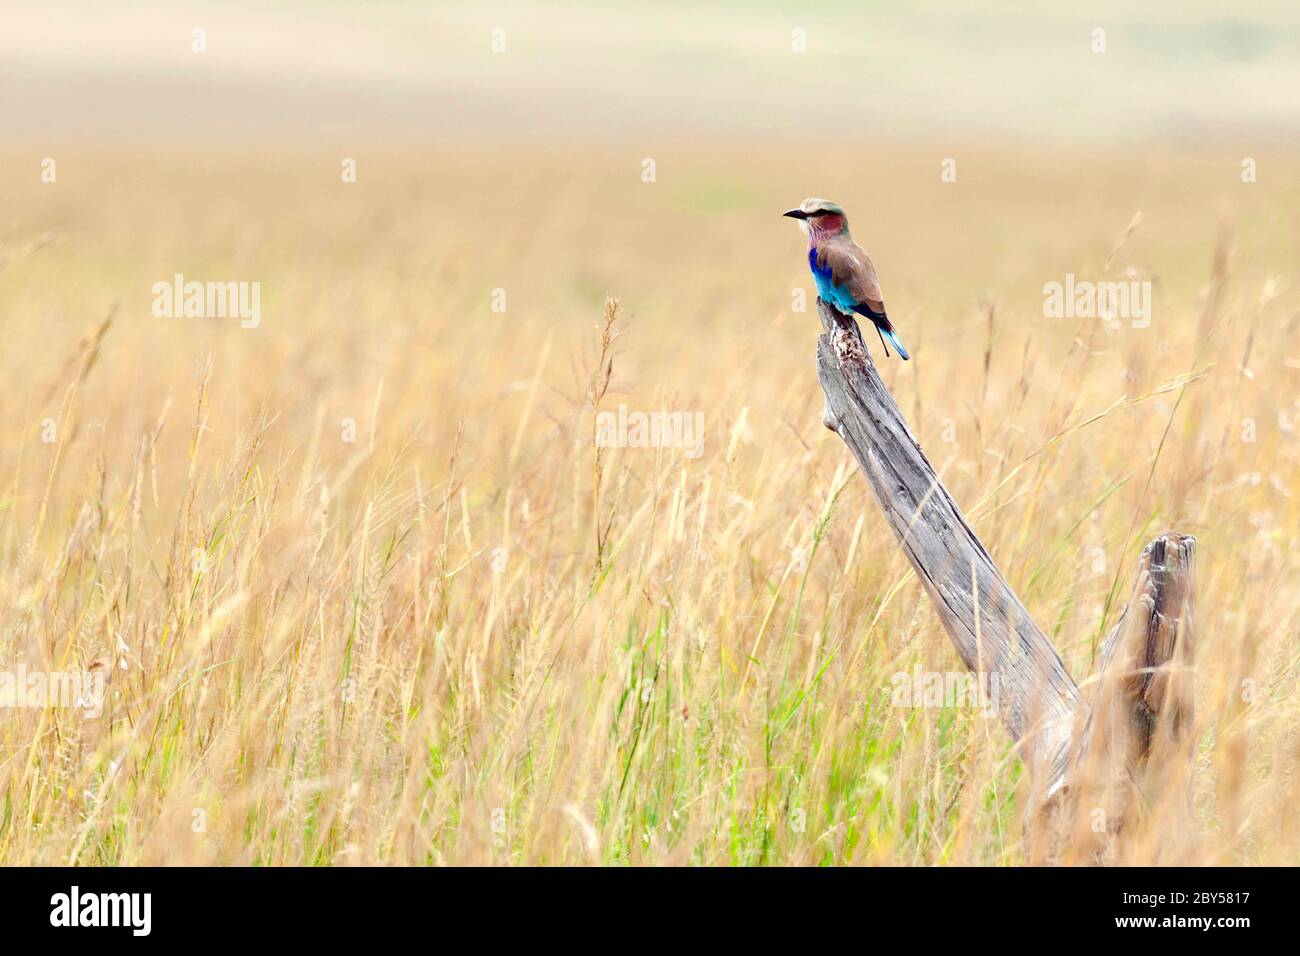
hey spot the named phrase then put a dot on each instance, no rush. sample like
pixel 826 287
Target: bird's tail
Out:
pixel 889 334
pixel 883 327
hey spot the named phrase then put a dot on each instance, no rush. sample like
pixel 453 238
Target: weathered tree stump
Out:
pixel 1091 758
pixel 1131 753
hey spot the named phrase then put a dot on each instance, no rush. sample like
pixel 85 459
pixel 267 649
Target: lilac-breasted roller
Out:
pixel 846 279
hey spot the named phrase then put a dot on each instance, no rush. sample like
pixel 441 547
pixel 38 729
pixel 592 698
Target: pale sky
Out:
pixel 1179 72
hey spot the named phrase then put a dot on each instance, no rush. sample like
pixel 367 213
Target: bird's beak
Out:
pixel 796 214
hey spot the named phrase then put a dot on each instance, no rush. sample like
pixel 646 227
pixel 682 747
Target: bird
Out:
pixel 846 278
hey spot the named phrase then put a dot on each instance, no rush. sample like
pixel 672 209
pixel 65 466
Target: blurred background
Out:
pixel 1171 72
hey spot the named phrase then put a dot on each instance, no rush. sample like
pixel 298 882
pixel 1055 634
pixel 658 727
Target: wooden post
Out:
pixel 1131 752
pixel 1145 681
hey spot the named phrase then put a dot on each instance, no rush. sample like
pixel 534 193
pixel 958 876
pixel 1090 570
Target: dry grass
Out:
pixel 467 638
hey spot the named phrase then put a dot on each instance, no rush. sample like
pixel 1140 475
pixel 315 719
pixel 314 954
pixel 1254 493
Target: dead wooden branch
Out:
pixel 1143 692
pixel 1133 741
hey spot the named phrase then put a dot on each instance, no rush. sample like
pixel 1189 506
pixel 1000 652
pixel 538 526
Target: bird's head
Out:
pixel 821 217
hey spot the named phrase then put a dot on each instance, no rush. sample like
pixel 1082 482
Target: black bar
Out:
pixel 334 906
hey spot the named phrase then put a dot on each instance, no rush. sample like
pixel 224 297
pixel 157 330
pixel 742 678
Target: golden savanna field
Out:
pixel 364 588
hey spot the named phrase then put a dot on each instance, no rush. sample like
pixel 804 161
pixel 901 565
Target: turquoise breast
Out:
pixel 837 296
